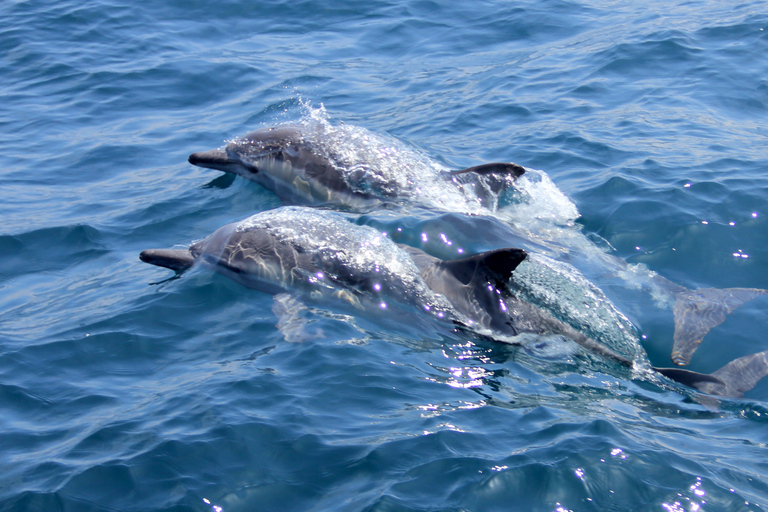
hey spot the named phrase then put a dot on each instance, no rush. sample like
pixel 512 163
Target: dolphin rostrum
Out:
pixel 500 293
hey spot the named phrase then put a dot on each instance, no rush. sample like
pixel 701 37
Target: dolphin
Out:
pixel 316 253
pixel 312 165
pixel 499 293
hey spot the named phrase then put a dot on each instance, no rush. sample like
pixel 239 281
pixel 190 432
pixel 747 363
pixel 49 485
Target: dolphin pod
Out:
pixel 320 254
pixel 352 169
pixel 315 165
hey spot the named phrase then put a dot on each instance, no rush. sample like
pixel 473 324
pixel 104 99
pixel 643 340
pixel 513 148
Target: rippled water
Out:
pixel 120 394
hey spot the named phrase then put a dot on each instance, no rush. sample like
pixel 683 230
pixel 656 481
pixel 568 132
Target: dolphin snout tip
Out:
pixel 197 158
pixel 213 159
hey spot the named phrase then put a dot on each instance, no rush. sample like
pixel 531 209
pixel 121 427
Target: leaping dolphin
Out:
pixel 501 292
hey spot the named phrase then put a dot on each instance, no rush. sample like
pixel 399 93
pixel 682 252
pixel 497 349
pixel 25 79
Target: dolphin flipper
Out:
pixel 732 380
pixel 292 319
pixel 174 259
pixel 696 312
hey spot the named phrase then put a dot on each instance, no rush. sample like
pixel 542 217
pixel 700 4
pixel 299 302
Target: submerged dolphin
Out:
pixel 501 293
pixel 315 163
pixel 309 165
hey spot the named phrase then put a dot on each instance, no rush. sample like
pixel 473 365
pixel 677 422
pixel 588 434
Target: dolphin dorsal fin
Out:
pixel 507 169
pixel 499 264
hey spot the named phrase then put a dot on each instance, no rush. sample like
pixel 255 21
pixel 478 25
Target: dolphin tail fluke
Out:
pixel 732 380
pixel 174 259
pixel 696 312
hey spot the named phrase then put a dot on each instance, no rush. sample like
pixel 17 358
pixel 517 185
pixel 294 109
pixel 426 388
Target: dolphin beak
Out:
pixel 174 259
pixel 215 159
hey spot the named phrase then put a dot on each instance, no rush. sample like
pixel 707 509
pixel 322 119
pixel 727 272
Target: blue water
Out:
pixel 120 394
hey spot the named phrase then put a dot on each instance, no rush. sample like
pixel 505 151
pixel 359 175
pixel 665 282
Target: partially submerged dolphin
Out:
pixel 501 293
pixel 317 164
pixel 312 165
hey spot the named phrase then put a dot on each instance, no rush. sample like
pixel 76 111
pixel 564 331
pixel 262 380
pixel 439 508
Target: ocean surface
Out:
pixel 121 390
